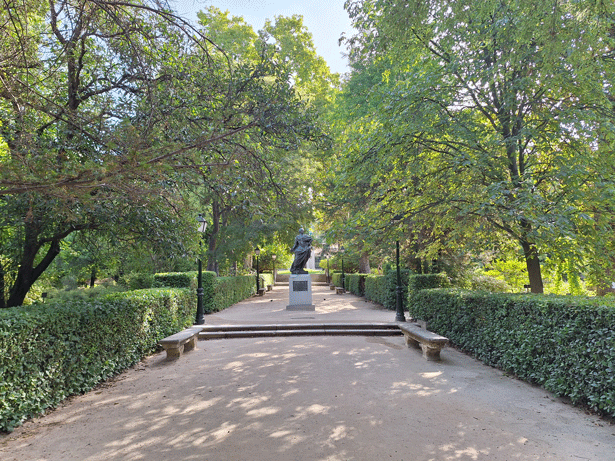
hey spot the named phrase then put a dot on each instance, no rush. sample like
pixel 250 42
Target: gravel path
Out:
pixel 312 398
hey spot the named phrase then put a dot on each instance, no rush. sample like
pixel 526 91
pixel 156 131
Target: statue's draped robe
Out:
pixel 303 251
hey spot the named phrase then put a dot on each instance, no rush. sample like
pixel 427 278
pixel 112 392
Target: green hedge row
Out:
pixel 566 344
pixel 51 351
pixel 382 289
pixel 228 291
pixel 176 279
pixel 336 279
pixel 356 283
pixel 427 281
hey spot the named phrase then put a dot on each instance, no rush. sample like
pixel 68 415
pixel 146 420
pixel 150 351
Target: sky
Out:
pixel 325 19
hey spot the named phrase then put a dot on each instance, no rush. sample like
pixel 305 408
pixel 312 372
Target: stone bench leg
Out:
pixel 411 342
pixel 431 353
pixel 191 343
pixel 173 353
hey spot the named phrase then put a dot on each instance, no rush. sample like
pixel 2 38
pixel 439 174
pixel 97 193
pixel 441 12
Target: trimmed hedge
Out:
pixel 227 291
pixel 336 279
pixel 427 281
pixel 218 292
pixel 382 289
pixel 566 344
pixel 52 351
pixel 376 288
pixel 356 283
pixel 176 279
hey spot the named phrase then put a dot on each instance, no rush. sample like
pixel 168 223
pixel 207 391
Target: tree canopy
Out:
pixel 485 122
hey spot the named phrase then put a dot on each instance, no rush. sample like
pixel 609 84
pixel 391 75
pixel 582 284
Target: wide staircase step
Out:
pixel 302 329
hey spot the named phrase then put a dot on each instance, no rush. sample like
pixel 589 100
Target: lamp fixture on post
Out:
pixel 328 256
pixel 257 251
pixel 200 315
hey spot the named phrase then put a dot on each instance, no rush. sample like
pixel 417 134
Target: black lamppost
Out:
pixel 273 257
pixel 200 315
pixel 343 275
pixel 257 251
pixel 399 306
pixel 328 273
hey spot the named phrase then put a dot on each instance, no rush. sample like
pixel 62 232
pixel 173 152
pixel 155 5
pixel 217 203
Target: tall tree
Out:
pixel 105 108
pixel 488 118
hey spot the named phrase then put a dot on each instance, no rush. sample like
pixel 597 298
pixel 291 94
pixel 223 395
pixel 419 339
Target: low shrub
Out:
pixel 230 290
pixel 336 279
pixel 55 350
pixel 427 281
pixel 137 281
pixel 176 279
pixel 356 283
pixel 382 289
pixel 482 282
pixel 564 343
pixel 376 288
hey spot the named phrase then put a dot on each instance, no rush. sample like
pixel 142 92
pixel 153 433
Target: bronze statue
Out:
pixel 303 251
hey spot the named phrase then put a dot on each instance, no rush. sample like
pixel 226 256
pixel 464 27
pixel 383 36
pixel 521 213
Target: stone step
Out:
pixel 278 330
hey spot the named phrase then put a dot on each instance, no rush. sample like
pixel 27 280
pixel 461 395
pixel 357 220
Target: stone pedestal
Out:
pixel 300 293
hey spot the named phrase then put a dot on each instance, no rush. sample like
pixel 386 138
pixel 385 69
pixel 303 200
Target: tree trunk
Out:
pixel 364 264
pixel 93 276
pixel 27 273
pixel 2 300
pixel 533 267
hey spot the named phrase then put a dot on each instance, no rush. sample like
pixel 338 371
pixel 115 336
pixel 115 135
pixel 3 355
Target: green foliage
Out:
pixel 462 141
pixel 382 289
pixel 356 283
pixel 482 282
pixel 566 344
pixel 266 279
pixel 60 349
pixel 228 291
pixel 376 288
pixel 427 281
pixel 511 271
pixel 137 280
pixel 176 279
pixel 336 278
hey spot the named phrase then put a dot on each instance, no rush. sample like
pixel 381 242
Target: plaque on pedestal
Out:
pixel 300 293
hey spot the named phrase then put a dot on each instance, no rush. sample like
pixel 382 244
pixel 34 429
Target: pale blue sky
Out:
pixel 325 19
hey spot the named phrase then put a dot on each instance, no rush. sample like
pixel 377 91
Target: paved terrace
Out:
pixel 312 398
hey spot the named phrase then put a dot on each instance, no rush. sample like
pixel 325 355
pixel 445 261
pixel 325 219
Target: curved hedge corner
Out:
pixel 566 344
pixel 52 351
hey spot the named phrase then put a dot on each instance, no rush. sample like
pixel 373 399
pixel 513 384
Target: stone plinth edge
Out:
pixel 301 307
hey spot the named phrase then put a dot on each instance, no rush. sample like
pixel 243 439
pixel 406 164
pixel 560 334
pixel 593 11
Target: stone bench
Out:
pixel 339 291
pixel 331 287
pixel 431 343
pixel 261 292
pixel 175 345
pixel 269 287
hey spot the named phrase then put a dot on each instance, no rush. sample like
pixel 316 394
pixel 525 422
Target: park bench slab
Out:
pixel 431 343
pixel 175 345
pixel 339 290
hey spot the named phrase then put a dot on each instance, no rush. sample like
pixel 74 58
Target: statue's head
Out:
pixel 301 231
